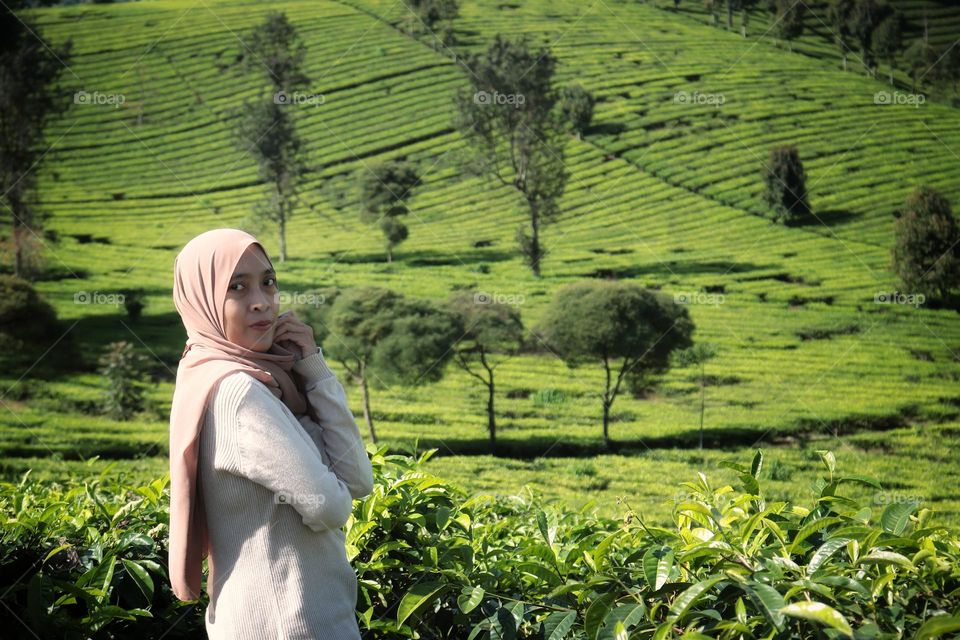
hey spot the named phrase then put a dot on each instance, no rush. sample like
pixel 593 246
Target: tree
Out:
pixel 122 369
pixel 711 7
pixel 698 355
pixel 436 15
pixel 380 337
pixel 926 250
pixel 268 123
pixel 920 58
pixel 888 38
pixel 610 321
pixel 491 332
pixel 785 186
pixel 838 15
pixel 745 7
pixel 864 19
pixel 577 105
pixel 513 132
pixel 31 336
pixel 383 198
pixel 789 17
pixel 29 98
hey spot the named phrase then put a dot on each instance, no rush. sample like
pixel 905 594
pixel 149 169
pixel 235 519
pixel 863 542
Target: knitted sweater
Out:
pixel 277 492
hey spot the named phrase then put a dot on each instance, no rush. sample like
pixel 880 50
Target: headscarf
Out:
pixel 202 273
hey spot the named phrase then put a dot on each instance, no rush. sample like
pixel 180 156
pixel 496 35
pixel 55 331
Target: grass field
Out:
pixel 665 192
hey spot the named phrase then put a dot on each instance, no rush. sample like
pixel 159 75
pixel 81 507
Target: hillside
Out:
pixel 663 192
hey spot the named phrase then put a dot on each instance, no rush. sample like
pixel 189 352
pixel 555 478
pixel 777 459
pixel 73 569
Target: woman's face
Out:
pixel 252 297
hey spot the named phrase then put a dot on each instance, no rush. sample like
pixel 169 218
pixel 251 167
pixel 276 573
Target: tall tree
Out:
pixel 888 38
pixel 614 322
pixel 384 192
pixel 514 133
pixel 865 18
pixel 789 17
pixel 269 125
pixel 785 183
pixel 926 250
pixel 491 332
pixel 30 96
pixel 838 15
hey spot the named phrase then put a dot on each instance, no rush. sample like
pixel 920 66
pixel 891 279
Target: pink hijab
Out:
pixel 202 274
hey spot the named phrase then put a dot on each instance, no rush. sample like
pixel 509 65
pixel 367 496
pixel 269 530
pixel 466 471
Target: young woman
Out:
pixel 265 456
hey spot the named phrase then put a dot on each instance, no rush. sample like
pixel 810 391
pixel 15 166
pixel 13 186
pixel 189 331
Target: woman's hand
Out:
pixel 295 335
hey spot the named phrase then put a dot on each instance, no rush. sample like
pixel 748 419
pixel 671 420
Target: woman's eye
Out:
pixel 273 280
pixel 235 284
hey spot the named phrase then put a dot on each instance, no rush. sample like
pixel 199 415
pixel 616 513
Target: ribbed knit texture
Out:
pixel 277 494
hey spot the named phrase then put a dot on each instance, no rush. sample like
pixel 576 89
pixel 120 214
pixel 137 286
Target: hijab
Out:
pixel 202 273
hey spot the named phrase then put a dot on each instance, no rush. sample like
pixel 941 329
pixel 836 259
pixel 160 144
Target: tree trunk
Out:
pixel 891 74
pixel 491 418
pixel 535 239
pixel 729 15
pixel 606 424
pixel 283 234
pixel 702 393
pixel 365 395
pixel 844 60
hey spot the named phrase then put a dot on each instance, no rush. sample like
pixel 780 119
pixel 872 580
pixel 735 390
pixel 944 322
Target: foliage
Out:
pixel 785 186
pixel 925 252
pixel 577 104
pixel 434 563
pixel 384 192
pixel 122 369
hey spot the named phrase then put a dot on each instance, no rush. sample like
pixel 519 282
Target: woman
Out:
pixel 265 456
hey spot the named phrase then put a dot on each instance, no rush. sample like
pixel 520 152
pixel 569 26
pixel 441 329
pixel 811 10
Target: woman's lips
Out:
pixel 261 326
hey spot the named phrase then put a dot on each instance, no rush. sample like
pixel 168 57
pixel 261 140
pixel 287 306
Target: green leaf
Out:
pixel 829 460
pixel 937 626
pixel 757 464
pixel 819 612
pixel 470 598
pixel 657 562
pixel 417 599
pixel 688 598
pixel 768 600
pixel 558 624
pixel 826 550
pixel 596 613
pixel 896 516
pixel 141 577
pixel 887 557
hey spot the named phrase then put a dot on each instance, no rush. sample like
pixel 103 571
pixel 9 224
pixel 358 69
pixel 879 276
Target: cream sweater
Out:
pixel 277 492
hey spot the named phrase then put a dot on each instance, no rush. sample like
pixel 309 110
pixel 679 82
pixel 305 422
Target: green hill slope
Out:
pixel 663 191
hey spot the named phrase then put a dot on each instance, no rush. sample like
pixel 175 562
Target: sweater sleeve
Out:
pixel 273 451
pixel 337 434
